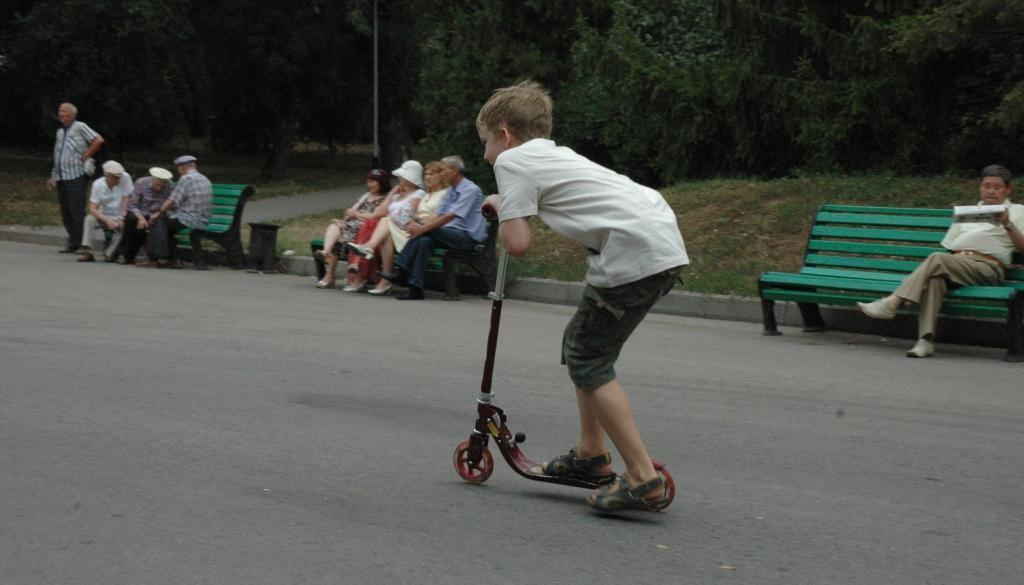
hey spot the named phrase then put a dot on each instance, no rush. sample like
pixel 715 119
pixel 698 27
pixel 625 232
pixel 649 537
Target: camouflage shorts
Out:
pixel 604 321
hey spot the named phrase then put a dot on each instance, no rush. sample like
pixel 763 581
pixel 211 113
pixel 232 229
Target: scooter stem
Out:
pixel 492 337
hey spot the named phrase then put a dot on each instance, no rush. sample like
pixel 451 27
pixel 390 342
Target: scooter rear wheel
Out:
pixel 477 474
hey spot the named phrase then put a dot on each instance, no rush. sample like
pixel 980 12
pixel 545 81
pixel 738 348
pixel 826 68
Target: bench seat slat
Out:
pixel 834 298
pixel 993 293
pixel 867 263
pixel 876 275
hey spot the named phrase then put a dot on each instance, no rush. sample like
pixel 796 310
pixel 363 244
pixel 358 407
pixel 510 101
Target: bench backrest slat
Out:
pixel 859 233
pixel 868 209
pixel 880 219
pixel 871 248
pixel 862 263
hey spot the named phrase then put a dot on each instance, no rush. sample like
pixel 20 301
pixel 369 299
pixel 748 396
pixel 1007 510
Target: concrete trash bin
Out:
pixel 262 247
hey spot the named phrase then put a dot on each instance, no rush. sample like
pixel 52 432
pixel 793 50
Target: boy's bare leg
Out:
pixel 609 408
pixel 591 441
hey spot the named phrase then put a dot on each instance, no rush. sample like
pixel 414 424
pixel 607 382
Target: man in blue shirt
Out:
pixel 458 225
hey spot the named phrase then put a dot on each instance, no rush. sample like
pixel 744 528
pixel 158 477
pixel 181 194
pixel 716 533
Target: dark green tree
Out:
pixel 273 65
pixel 969 55
pixel 477 47
pixel 129 65
pixel 644 94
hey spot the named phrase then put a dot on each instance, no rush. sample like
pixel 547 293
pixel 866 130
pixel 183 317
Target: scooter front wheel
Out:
pixel 477 473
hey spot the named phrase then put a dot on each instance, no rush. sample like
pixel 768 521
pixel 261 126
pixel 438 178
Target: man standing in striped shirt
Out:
pixel 76 143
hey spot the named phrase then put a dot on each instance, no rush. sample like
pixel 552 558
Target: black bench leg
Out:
pixel 1015 330
pixel 198 257
pixel 771 327
pixel 321 268
pixel 235 252
pixel 451 285
pixel 812 317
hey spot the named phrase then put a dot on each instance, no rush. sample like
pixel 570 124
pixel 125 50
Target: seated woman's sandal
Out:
pixel 619 496
pixel 582 468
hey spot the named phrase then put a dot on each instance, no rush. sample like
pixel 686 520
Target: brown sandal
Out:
pixel 583 468
pixel 619 496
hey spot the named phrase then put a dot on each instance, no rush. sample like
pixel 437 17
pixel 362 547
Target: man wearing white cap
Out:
pixel 149 194
pixel 192 204
pixel 108 202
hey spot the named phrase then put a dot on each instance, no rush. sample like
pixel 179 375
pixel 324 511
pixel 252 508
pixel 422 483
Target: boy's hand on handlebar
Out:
pixel 491 206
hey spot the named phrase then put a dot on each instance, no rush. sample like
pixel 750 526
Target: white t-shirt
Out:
pixel 629 229
pixel 985 237
pixel 109 200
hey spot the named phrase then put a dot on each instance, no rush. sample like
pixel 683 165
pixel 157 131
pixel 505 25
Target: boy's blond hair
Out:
pixel 525 109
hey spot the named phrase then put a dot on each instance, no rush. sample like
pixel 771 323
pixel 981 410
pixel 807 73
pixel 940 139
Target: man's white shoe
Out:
pixel 881 309
pixel 922 349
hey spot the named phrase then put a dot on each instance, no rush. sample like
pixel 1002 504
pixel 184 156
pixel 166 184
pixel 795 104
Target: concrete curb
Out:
pixel 687 304
pixel 47 236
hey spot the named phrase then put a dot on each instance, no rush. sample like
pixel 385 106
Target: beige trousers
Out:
pixel 928 283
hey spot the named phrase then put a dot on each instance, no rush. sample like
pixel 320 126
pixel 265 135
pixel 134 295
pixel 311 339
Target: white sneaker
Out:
pixel 922 349
pixel 880 309
pixel 362 250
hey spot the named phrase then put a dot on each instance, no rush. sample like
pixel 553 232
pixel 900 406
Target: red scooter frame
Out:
pixel 472 459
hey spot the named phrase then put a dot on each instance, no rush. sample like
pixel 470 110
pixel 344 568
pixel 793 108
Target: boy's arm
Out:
pixel 515 235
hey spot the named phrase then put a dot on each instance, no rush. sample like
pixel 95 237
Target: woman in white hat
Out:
pixel 400 206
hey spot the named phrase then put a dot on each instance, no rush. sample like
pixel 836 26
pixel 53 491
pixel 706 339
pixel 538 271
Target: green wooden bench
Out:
pixel 225 225
pixel 860 253
pixel 482 260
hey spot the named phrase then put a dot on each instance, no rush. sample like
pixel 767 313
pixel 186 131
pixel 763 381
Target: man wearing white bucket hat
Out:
pixel 108 201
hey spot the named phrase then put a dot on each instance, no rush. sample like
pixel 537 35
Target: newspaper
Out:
pixel 976 213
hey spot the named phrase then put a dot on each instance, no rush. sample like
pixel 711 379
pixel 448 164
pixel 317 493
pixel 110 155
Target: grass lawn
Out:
pixel 734 228
pixel 25 200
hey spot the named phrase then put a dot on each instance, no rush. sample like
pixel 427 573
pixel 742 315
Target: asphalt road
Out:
pixel 182 427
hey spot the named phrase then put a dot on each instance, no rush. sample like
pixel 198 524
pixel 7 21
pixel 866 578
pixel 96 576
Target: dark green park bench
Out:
pixel 860 253
pixel 481 260
pixel 225 225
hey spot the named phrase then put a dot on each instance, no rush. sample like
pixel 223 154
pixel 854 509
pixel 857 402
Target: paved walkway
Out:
pixel 166 427
pixel 263 210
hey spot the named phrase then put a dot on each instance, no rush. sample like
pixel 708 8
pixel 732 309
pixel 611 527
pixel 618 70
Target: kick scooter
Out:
pixel 473 460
